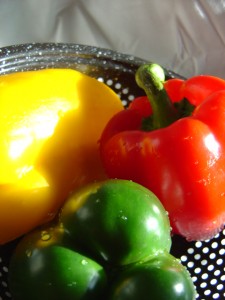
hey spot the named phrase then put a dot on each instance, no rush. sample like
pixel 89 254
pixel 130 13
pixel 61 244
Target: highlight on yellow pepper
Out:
pixel 50 124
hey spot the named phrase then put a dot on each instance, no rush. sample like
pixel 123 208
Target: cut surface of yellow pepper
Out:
pixel 50 124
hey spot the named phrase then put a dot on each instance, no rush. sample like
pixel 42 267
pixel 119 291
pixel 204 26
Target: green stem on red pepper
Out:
pixel 150 77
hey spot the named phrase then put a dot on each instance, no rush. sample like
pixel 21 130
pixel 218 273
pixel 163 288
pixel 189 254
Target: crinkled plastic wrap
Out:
pixel 187 36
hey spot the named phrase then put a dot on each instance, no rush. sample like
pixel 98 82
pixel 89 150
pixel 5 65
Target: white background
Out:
pixel 187 36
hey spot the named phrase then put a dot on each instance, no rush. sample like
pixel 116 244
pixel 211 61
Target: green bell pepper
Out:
pixel 163 277
pixel 105 232
pixel 44 266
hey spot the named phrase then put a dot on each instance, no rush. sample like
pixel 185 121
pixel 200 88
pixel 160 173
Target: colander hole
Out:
pixel 220 287
pixel 198 244
pixel 197 256
pixel 222 251
pixel 203 285
pixel 184 258
pixel 217 272
pixel 124 102
pixel 204 262
pixel 8 295
pixel 190 250
pixel 109 82
pixel 190 264
pixel 219 261
pixel 213 281
pixel 214 245
pixel 197 270
pixel 216 296
pixel 212 256
pixel 125 91
pixel 131 97
pixel 205 250
pixel 205 276
pixel 210 267
pixel 207 292
pixel 118 85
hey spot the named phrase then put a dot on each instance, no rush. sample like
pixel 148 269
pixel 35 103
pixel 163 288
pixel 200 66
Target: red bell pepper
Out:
pixel 173 142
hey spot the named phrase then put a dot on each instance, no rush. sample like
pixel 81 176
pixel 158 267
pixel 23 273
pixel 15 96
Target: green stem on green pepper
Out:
pixel 150 77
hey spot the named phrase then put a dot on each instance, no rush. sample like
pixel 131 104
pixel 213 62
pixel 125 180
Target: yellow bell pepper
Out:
pixel 50 124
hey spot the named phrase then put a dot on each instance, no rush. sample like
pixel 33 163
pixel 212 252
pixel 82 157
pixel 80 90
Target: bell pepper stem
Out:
pixel 150 77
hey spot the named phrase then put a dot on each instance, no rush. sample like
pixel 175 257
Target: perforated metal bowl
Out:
pixel 204 260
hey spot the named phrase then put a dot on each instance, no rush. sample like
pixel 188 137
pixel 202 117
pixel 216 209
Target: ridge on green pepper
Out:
pixel 172 141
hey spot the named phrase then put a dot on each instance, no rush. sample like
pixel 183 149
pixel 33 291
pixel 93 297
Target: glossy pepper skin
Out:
pixel 177 151
pixel 96 238
pixel 45 266
pixel 118 222
pixel 50 123
pixel 161 278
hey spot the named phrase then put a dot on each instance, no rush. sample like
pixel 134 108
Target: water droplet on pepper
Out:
pixel 45 236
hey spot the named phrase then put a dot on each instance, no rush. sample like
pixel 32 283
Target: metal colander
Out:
pixel 204 260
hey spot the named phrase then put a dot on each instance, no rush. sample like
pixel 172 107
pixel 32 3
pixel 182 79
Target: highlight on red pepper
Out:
pixel 106 233
pixel 178 151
